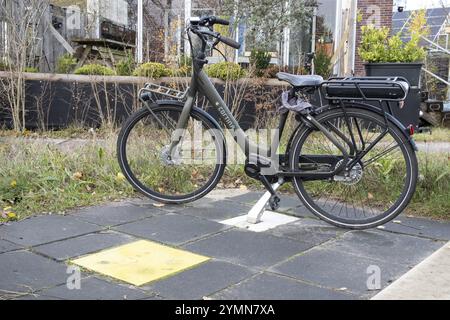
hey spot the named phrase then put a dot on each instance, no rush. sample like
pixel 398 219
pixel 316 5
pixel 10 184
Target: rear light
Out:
pixel 411 130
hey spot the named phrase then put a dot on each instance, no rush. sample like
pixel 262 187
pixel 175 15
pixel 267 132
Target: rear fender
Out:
pixel 368 107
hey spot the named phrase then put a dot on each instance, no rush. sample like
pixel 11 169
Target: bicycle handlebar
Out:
pixel 209 22
pixel 216 20
pixel 230 42
pixel 212 20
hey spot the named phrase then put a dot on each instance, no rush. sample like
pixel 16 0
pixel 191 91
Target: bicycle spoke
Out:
pixel 379 156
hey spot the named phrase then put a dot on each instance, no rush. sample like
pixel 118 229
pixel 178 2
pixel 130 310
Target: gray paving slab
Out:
pixel 116 214
pixel 172 228
pixel 420 227
pixel 201 281
pixel 6 246
pixel 222 194
pixel 96 289
pixel 75 247
pixel 308 230
pixel 302 212
pixel 288 203
pixel 150 204
pixel 269 286
pixel 249 198
pixel 338 270
pixel 45 229
pixel 248 248
pixel 25 272
pixel 217 210
pixel 388 247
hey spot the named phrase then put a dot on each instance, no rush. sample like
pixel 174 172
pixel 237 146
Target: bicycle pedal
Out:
pixel 274 203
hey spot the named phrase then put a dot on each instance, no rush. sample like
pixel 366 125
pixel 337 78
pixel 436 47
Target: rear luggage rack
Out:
pixel 161 90
pixel 394 89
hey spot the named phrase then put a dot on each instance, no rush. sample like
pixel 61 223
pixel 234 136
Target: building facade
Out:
pixel 335 29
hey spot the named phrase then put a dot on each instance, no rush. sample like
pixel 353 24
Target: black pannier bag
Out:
pixel 366 88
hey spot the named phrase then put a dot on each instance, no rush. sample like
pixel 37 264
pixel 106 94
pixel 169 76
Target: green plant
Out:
pixel 126 66
pixel 59 180
pixel 322 63
pixel 151 70
pixel 95 69
pixel 31 70
pixel 225 71
pixel 260 60
pixel 66 64
pixel 376 45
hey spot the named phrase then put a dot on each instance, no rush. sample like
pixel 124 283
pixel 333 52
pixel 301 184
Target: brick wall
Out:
pixel 378 12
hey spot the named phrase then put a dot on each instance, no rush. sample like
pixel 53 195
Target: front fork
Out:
pixel 182 124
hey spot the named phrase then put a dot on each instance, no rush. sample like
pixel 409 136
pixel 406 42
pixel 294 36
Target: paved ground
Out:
pixel 306 259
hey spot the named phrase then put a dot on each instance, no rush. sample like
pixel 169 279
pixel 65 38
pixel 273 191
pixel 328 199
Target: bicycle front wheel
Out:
pixel 376 189
pixel 187 173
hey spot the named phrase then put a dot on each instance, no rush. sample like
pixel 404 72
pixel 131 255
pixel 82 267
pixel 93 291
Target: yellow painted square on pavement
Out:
pixel 140 262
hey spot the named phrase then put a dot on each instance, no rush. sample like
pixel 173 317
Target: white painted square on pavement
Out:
pixel 270 220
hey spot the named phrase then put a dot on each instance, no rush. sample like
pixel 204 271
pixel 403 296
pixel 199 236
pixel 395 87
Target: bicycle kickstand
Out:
pixel 271 197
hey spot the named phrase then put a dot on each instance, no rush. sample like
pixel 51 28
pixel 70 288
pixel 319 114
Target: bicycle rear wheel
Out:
pixel 376 189
pixel 186 175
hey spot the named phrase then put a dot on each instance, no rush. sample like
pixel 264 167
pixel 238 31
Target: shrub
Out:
pixel 151 70
pixel 66 64
pixel 95 69
pixel 260 60
pixel 31 70
pixel 322 63
pixel 377 46
pixel 126 66
pixel 225 71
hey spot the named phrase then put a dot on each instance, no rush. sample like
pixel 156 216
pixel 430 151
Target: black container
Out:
pixel 410 71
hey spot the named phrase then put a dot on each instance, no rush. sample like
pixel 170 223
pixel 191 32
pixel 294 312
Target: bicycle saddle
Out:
pixel 300 81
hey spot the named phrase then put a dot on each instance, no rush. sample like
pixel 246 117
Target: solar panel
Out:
pixel 436 18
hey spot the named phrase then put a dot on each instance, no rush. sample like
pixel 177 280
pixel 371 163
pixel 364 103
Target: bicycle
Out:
pixel 351 164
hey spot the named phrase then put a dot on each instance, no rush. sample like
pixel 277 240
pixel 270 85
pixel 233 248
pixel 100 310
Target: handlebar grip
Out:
pixel 221 21
pixel 230 42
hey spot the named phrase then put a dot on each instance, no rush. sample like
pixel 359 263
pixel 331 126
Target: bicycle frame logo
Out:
pixel 225 116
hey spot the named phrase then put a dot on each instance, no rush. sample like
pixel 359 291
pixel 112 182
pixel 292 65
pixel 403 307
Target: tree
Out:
pixel 266 19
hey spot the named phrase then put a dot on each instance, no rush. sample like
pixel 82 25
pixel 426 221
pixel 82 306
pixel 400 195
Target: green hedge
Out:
pixel 66 64
pixel 225 71
pixel 151 70
pixel 95 69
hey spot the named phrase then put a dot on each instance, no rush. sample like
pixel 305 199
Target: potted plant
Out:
pixel 389 55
